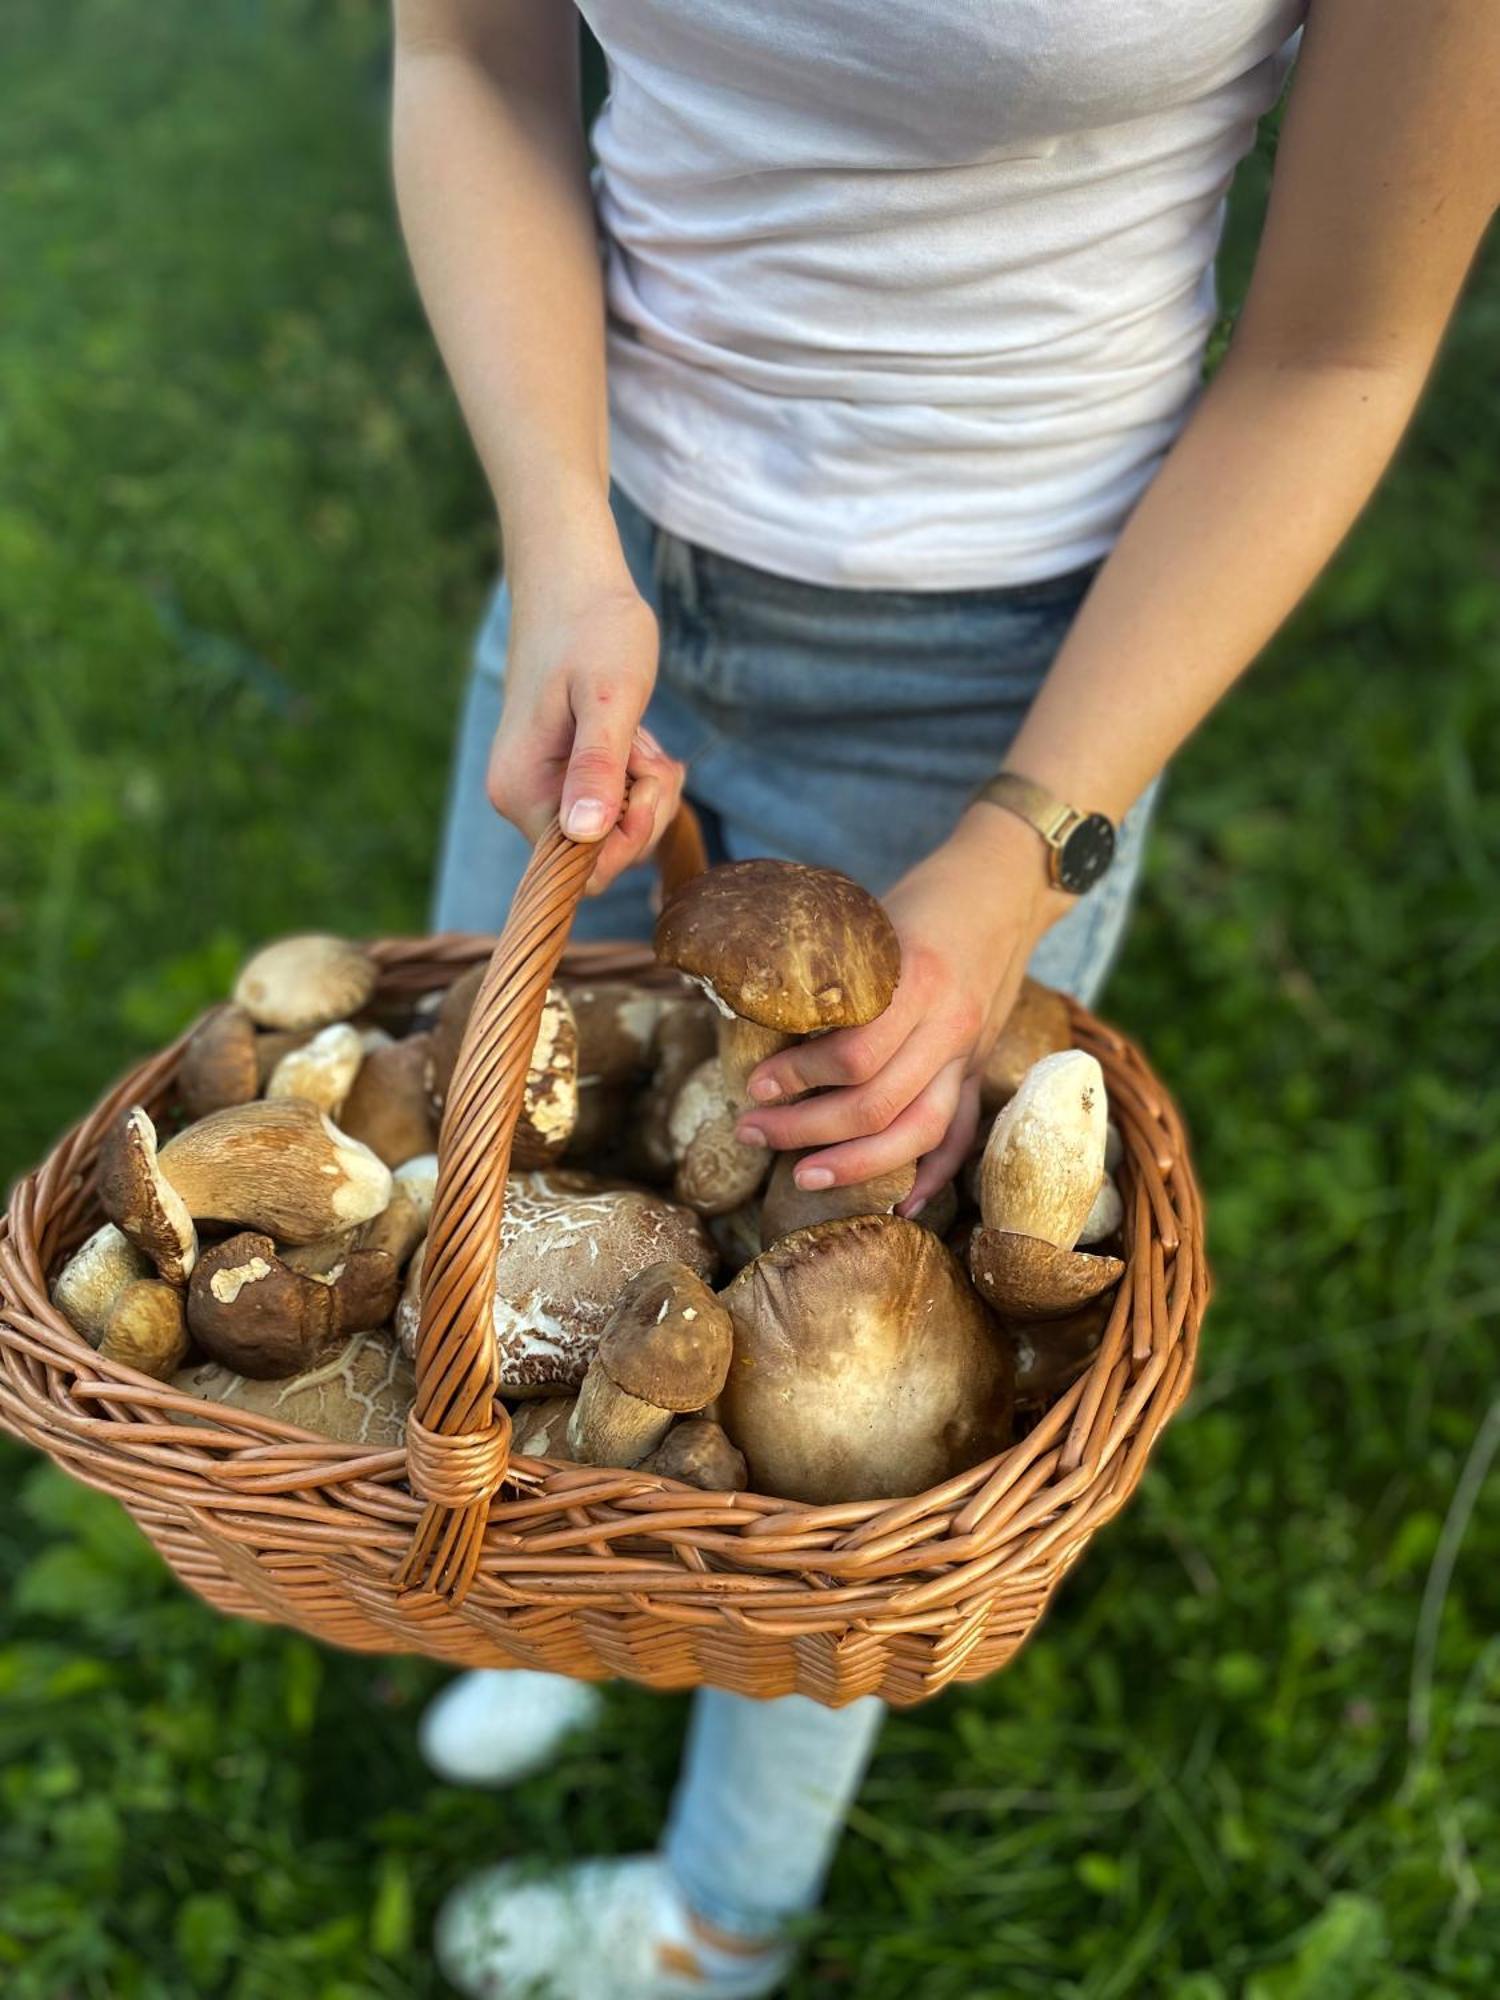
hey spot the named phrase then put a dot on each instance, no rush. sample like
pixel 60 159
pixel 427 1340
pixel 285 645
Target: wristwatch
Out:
pixel 1080 846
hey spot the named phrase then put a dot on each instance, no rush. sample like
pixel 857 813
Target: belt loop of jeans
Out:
pixel 675 568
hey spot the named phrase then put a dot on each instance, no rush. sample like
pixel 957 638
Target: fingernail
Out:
pixel 765 1089
pixel 812 1180
pixel 586 820
pixel 648 742
pixel 750 1135
pixel 912 1209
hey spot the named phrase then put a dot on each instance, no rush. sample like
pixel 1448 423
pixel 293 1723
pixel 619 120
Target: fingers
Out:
pixel 860 1109
pixel 939 1166
pixel 605 721
pixel 656 782
pixel 849 1056
pixel 919 1130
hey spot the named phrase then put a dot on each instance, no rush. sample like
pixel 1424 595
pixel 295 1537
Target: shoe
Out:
pixel 601 1930
pixel 495 1728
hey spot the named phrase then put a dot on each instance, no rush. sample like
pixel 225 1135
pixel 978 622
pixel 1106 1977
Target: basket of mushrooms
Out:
pixel 422 1298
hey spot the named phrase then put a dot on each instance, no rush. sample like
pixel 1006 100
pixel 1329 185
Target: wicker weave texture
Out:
pixel 587 1571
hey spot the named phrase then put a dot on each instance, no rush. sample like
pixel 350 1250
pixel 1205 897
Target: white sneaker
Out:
pixel 602 1930
pixel 497 1727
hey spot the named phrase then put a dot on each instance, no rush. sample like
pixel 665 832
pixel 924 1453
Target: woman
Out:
pixel 894 348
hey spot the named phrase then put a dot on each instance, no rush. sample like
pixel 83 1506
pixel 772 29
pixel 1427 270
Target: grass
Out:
pixel 1253 1755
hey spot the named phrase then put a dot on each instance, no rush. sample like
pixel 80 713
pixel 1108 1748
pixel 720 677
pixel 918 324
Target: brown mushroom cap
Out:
pixel 360 1393
pixel 253 1313
pixel 788 1207
pixel 146 1329
pixel 1026 1278
pixel 668 1340
pixel 305 982
pixel 864 1365
pixel 1039 1024
pixel 616 1021
pixel 281 1167
pixel 699 1453
pixel 793 948
pixel 219 1064
pixel 137 1193
pixel 388 1107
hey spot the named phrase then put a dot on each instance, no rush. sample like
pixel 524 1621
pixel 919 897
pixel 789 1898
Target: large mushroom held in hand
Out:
pixel 864 1365
pixel 783 951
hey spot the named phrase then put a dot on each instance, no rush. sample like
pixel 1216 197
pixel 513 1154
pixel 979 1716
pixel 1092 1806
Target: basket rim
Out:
pixel 1107 1419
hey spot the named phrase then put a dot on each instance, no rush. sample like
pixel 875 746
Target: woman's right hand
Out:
pixel 580 670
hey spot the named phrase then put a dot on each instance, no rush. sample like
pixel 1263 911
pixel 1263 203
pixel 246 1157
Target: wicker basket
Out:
pixel 588 1571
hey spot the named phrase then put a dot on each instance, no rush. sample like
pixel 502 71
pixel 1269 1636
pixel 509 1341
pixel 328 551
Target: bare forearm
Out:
pixel 491 180
pixel 1263 485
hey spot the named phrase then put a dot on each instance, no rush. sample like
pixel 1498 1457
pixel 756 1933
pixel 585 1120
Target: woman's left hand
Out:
pixel 906 1086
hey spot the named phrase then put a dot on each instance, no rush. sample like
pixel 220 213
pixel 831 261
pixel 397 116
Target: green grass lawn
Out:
pixel 242 542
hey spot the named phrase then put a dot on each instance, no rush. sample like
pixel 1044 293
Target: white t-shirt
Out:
pixel 914 293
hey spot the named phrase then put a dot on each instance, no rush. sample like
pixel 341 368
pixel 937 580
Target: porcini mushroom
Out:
pixel 1040 1175
pixel 360 1393
pixel 699 1453
pixel 322 1070
pixel 1044 1158
pixel 664 1351
pixel 138 1195
pixel 783 951
pixel 281 1167
pixel 616 1023
pixel 568 1243
pixel 1106 1215
pixel 305 982
pixel 1039 1024
pixel 389 1108
pixel 686 1036
pixel 146 1329
pixel 864 1365
pixel 540 1429
pixel 402 1223
pixel 1051 1354
pixel 549 1104
pixel 787 1207
pixel 253 1313
pixel 219 1064
pixel 94 1277
pixel 715 1171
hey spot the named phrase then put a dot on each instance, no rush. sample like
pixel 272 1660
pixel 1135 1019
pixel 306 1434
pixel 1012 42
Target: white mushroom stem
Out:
pixel 743 1047
pixel 609 1426
pixel 322 1071
pixel 282 1167
pixel 1106 1215
pixel 1044 1159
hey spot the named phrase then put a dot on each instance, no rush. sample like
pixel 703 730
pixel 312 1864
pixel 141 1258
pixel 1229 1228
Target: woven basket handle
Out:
pixel 458 1434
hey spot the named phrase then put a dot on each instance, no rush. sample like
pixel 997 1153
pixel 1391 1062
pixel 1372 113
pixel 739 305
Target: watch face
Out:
pixel 1086 854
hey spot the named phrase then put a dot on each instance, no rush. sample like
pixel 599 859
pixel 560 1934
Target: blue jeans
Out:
pixel 845 728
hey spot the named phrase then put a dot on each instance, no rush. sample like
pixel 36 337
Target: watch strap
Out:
pixel 1032 802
